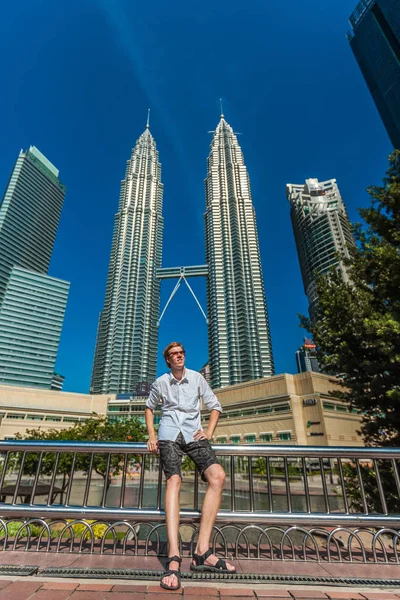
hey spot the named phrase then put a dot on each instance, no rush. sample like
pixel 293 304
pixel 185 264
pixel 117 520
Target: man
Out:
pixel 180 433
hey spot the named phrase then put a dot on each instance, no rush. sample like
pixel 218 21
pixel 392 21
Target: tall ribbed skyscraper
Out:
pixel 32 304
pixel 375 41
pixel 321 230
pixel 239 336
pixel 126 346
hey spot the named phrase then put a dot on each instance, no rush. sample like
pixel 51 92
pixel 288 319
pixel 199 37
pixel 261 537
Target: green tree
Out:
pixel 188 464
pixel 96 429
pixel 357 324
pixel 370 485
pixel 259 466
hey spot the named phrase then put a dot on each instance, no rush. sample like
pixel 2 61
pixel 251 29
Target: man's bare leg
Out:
pixel 215 476
pixel 172 508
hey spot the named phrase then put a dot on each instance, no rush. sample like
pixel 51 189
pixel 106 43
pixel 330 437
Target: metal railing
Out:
pixel 318 493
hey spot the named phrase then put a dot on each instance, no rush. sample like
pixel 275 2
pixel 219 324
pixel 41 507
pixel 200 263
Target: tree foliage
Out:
pixel 371 489
pixel 96 429
pixel 357 324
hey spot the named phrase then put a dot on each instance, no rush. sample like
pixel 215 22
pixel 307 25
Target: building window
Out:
pixel 53 419
pixel 15 416
pixel 234 414
pixel 282 407
pixel 35 417
pixel 250 438
pixel 221 440
pixel 71 420
pixel 235 439
pixel 266 437
pixel 265 409
pixel 118 408
pixel 328 406
pixel 285 436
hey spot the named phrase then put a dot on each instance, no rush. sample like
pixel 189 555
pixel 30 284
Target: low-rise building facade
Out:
pixel 23 408
pixel 287 409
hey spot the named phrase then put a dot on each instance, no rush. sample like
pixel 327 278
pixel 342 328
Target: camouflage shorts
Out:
pixel 171 454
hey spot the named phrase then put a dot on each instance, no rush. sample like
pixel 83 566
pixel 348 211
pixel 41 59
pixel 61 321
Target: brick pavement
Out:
pixel 311 568
pixel 29 589
pixel 40 587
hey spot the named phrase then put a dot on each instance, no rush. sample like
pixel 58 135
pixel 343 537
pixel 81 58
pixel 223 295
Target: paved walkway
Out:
pixel 153 563
pixel 42 587
pixel 37 589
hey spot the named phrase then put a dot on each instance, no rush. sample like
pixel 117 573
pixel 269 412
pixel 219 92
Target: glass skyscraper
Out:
pixel 239 335
pixel 31 319
pixel 127 336
pixel 32 304
pixel 29 215
pixel 321 229
pixel 375 41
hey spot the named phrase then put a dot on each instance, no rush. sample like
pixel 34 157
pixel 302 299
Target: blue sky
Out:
pixel 77 79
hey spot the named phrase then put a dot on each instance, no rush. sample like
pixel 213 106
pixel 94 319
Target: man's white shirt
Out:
pixel 180 404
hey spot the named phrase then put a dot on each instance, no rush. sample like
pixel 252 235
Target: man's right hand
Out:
pixel 152 445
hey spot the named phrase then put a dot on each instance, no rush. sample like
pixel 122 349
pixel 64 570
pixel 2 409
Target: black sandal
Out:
pixel 219 567
pixel 176 572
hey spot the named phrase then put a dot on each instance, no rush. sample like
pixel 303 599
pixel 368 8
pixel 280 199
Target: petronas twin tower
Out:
pixel 126 346
pixel 239 336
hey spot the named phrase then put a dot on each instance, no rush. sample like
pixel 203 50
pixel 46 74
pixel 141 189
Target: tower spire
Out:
pixel 148 119
pixel 222 110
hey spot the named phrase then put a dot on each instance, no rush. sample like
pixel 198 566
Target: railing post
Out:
pixel 251 484
pixel 324 485
pixel 88 480
pixel 287 483
pixel 106 480
pixel 269 484
pixel 306 489
pixel 342 483
pixel 37 475
pixel 70 481
pixel 19 477
pixel 233 487
pixel 53 480
pixel 141 482
pixel 380 488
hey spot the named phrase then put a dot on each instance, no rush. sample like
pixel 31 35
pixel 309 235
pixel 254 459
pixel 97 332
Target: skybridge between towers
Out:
pixel 182 274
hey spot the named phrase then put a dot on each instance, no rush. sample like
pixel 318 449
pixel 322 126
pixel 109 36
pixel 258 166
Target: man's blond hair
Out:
pixel 169 348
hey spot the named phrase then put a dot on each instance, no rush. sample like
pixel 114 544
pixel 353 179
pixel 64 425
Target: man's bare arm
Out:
pixel 152 443
pixel 212 424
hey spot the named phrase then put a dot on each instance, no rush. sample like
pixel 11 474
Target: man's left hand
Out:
pixel 201 435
